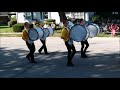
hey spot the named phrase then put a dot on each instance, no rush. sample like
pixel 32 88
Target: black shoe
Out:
pixel 47 53
pixel 39 52
pixel 70 64
pixel 28 58
pixel 33 62
pixel 84 56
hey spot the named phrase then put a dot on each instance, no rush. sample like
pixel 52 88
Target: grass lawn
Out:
pixel 7 29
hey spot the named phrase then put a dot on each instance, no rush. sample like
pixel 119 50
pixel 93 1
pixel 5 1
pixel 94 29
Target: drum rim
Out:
pixel 37 33
pixel 96 27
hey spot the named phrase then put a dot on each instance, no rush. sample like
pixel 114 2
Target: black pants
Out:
pixel 83 47
pixel 31 47
pixel 71 52
pixel 43 46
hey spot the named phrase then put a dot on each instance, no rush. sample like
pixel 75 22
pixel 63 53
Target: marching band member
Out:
pixel 83 43
pixel 65 35
pixel 29 43
pixel 43 41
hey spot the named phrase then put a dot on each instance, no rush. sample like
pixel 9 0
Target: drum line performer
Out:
pixel 29 43
pixel 84 44
pixel 43 41
pixel 65 35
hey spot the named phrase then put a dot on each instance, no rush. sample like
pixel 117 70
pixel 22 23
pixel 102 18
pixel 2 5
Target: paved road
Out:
pixel 103 59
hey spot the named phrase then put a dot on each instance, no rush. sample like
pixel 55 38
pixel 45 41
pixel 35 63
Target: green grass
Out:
pixel 107 35
pixel 6 29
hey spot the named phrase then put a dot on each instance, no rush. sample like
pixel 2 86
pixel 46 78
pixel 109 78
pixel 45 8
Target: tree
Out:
pixel 62 16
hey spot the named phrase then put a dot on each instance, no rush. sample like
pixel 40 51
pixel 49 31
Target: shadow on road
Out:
pixel 13 64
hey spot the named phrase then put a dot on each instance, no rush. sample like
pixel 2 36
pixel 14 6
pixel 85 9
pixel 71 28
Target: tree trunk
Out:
pixel 62 16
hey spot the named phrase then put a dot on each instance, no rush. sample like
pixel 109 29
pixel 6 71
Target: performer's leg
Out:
pixel 87 45
pixel 41 46
pixel 69 61
pixel 82 48
pixel 28 55
pixel 73 51
pixel 44 46
pixel 32 50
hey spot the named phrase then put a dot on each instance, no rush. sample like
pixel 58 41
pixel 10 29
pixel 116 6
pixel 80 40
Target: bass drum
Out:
pixel 33 34
pixel 70 24
pixel 48 32
pixel 93 29
pixel 79 33
pixel 40 32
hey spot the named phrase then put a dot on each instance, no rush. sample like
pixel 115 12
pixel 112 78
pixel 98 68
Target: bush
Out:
pixel 11 23
pixel 19 27
pixel 96 18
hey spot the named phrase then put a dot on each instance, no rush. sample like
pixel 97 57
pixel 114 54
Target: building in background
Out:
pixel 29 16
pixel 5 17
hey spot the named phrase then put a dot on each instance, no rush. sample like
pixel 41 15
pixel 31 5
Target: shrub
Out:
pixel 11 23
pixel 96 18
pixel 19 27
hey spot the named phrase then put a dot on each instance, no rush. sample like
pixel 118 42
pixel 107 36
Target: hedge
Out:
pixel 11 23
pixel 19 27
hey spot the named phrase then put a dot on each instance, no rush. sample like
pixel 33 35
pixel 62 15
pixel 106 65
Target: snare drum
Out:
pixel 33 34
pixel 79 33
pixel 93 29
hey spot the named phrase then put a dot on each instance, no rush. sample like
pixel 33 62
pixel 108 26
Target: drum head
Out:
pixel 78 33
pixel 40 32
pixel 33 34
pixel 46 32
pixel 93 30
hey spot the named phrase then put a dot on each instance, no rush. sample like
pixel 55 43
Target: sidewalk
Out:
pixel 11 33
pixel 103 59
